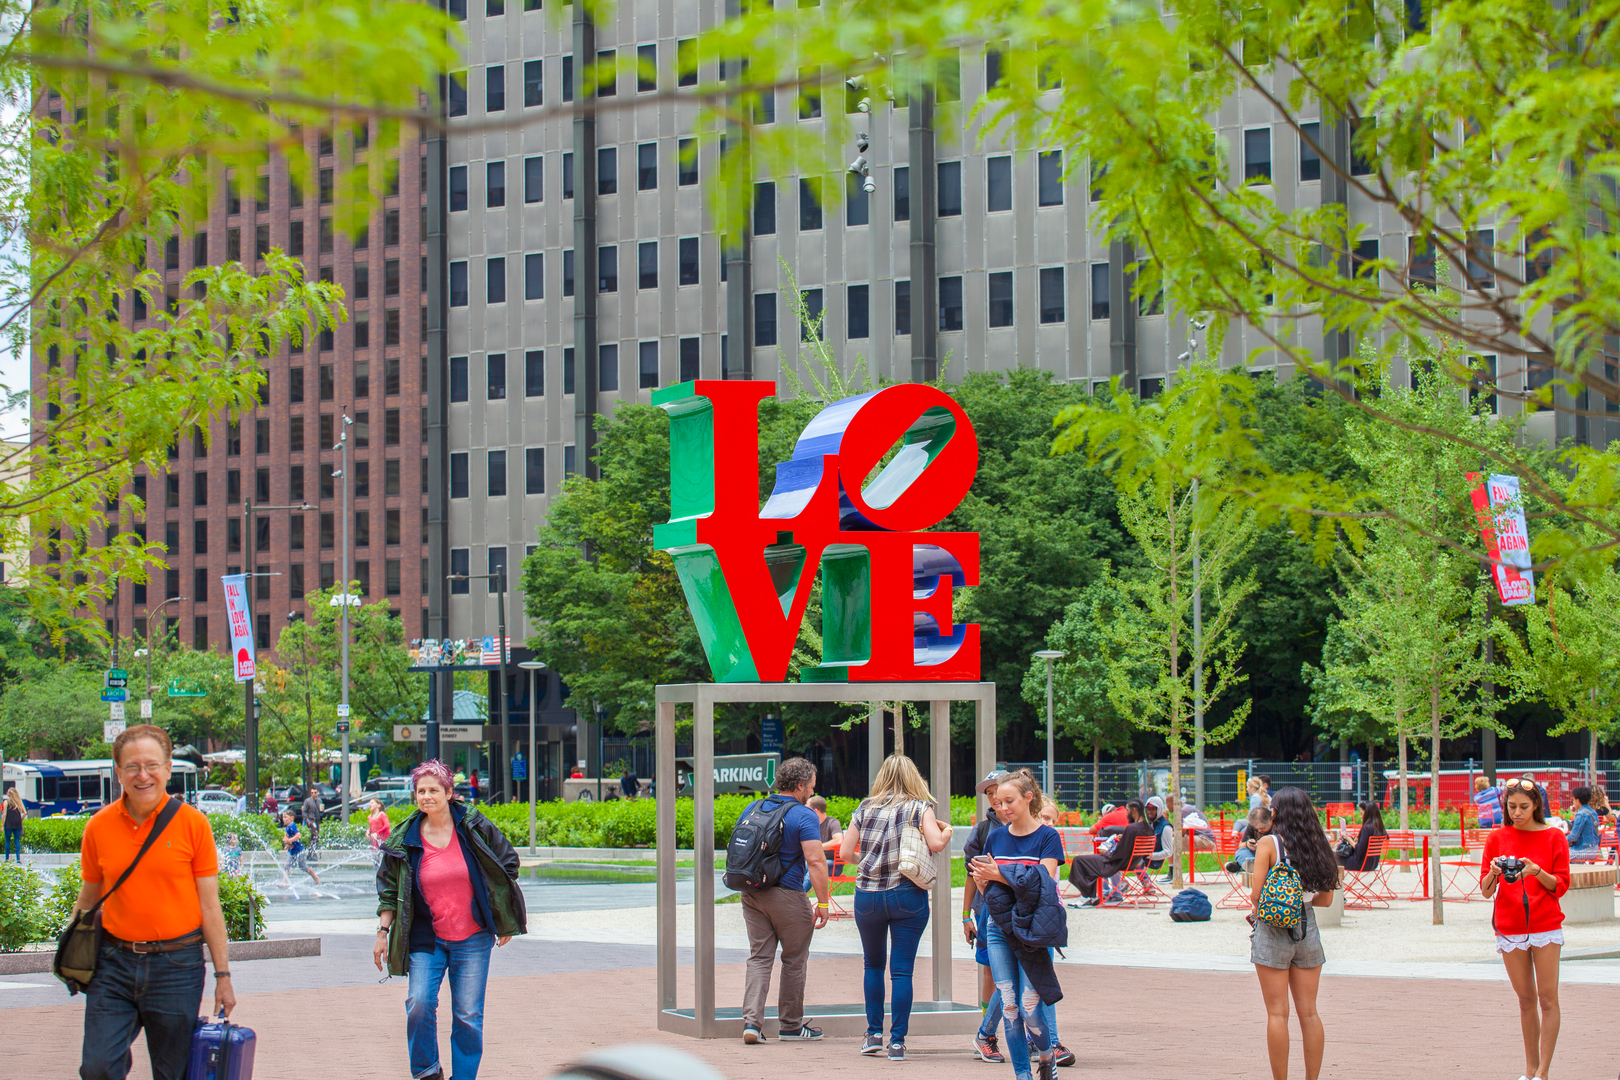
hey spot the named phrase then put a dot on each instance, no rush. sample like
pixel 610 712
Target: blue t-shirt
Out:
pixel 800 827
pixel 1489 802
pixel 1043 843
pixel 297 845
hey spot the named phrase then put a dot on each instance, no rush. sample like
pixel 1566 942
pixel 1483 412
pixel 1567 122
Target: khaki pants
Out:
pixel 785 917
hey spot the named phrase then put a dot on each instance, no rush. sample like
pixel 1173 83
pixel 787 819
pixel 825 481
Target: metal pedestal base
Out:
pixel 927 1018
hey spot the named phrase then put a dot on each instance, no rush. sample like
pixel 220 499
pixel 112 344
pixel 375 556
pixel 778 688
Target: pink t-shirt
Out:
pixel 377 825
pixel 448 891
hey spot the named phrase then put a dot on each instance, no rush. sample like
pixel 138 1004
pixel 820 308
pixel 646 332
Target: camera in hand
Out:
pixel 1509 867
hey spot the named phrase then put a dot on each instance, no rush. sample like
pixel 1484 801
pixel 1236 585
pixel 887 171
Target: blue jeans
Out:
pixel 899 913
pixel 14 837
pixel 160 993
pixel 1244 856
pixel 992 1014
pixel 467 963
pixel 1021 1006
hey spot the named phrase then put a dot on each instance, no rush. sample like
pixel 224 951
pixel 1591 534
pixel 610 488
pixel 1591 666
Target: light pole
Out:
pixel 345 599
pixel 534 668
pixel 151 616
pixel 1050 655
pixel 249 715
pixel 499 577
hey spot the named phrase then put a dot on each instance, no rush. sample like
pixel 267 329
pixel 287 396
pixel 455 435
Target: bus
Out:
pixel 52 788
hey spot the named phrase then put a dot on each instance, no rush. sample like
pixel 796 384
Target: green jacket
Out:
pixel 396 880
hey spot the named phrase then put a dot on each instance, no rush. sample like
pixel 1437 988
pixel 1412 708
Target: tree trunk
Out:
pixel 1592 767
pixel 1096 774
pixel 1436 880
pixel 1400 739
pixel 1172 808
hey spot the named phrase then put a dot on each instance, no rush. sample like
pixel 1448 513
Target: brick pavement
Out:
pixel 1141 1024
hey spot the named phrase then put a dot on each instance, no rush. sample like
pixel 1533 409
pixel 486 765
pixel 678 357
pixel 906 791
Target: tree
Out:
pixel 1083 709
pixel 136 121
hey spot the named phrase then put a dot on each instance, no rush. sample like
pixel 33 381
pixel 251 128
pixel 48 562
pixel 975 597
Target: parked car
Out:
pixel 389 798
pixel 215 801
pixel 388 783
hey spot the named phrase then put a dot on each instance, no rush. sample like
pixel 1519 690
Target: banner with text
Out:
pixel 241 623
pixel 1507 541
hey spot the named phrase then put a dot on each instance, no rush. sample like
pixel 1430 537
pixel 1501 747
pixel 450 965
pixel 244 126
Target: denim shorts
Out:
pixel 1272 947
pixel 981 955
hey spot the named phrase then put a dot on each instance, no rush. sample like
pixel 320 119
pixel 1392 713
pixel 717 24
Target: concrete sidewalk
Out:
pixel 1140 1024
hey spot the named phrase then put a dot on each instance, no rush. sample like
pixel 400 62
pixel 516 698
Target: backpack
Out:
pixel 1282 900
pixel 754 855
pixel 1190 905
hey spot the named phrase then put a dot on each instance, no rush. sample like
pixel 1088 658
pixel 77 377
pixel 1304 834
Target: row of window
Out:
pixel 461 568
pixel 392 532
pixel 603 77
pixel 326 241
pixel 534 371
pixel 297 490
pixel 495 486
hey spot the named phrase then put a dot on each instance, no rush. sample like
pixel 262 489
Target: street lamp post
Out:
pixel 151 616
pixel 499 577
pixel 534 668
pixel 348 599
pixel 251 718
pixel 1050 655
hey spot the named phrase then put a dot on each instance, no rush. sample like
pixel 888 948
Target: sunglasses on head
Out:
pixel 1528 785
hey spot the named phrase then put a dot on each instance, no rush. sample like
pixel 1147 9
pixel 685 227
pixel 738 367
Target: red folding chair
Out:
pixel 1406 843
pixel 1462 872
pixel 1361 887
pixel 1076 842
pixel 835 910
pixel 1237 898
pixel 1140 888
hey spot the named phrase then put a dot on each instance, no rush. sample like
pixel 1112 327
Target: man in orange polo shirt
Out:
pixel 149 973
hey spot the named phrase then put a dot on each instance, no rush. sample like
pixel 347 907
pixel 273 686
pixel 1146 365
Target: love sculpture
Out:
pixel 887 586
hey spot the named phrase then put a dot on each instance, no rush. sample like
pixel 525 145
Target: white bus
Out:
pixel 50 788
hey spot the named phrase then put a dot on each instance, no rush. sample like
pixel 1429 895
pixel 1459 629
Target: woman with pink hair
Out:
pixel 447 894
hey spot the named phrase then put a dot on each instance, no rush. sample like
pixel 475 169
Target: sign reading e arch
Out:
pixel 887 586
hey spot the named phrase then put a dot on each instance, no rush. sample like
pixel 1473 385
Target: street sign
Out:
pixel 520 768
pixel 185 688
pixel 115 677
pixel 410 733
pixel 116 711
pixel 111 729
pixel 343 710
pixel 733 773
pixel 461 733
pixel 770 735
pixel 1347 778
pixel 146 708
pixel 342 727
pixel 115 694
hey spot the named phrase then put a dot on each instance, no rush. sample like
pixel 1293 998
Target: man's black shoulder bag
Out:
pixel 78 946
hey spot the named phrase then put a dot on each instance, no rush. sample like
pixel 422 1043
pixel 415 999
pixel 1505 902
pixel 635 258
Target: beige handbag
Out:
pixel 917 863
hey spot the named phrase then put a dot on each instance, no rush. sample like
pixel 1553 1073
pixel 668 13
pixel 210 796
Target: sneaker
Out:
pixel 1234 867
pixel 1063 1056
pixel 804 1034
pixel 897 1051
pixel 1045 1070
pixel 872 1044
pixel 752 1035
pixel 985 1049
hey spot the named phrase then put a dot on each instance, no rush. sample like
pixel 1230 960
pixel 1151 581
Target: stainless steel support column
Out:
pixel 664 774
pixel 874 742
pixel 1122 314
pixel 585 276
pixel 984 739
pixel 939 779
pixel 703 861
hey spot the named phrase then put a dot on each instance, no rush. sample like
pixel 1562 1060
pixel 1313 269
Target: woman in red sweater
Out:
pixel 1526 869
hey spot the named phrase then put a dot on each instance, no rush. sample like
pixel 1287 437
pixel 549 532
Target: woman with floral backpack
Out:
pixel 1294 871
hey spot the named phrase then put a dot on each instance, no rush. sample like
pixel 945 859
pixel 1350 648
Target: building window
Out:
pixel 295 537
pixel 1147 389
pixel 689 260
pixel 568 175
pixel 1310 162
pixel 457 93
pixel 950 303
pixel 812 314
pixel 460 488
pixel 497 569
pixel 606 73
pixel 568 78
pixel 607 368
pixel 764 319
pixel 458 284
pixel 1257 155
pixel 1001 300
pixel 690 352
pixel 1099 290
pixel 495 184
pixel 362 528
pixel 568 273
pixel 1421 258
pixel 765 209
pixel 496 282
pixel 495 367
pixel 1361 143
pixel 649 365
pixel 534 276
pixel 1482 259
pixel 391 479
pixel 458 187
pixel 1483 382
pixel 950 189
pixel 295 483
pixel 199 537
pixel 686 173
pixel 362 379
pixel 646 68
pixel 1049 178
pixel 857 203
pixel 534 85
pixel 858 304
pixel 607 171
pixel 199 489
pixel 460 567
pixel 261 436
pixel 1052 294
pixel 534 180
pixel 497 473
pixel 607 269
pixel 998 183
pixel 809 93
pixel 534 373
pixel 647 167
pixel 534 470
pixel 647 264
pixel 809 205
pixel 902 308
pixel 458 378
pixel 391 578
pixel 391 277
pixel 494 88
pixel 902 193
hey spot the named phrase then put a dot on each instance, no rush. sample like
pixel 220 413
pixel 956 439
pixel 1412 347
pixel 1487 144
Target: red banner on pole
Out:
pixel 1507 541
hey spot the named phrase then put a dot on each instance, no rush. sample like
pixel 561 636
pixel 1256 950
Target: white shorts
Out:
pixel 1525 941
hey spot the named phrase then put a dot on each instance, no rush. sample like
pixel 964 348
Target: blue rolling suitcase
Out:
pixel 221 1050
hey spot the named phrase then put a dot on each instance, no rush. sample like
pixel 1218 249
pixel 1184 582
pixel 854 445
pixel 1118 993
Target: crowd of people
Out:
pixel 448 897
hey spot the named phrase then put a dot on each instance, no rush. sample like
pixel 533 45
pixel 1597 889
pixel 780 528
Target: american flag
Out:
pixel 491 651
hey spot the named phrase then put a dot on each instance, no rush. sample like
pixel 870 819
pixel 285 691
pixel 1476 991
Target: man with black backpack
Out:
pixel 775 843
